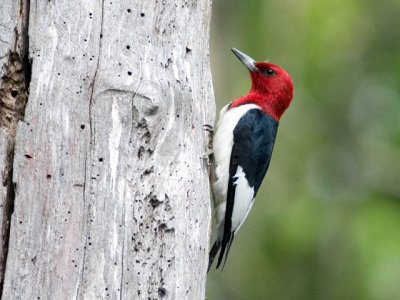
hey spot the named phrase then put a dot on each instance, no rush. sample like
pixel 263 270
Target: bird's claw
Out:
pixel 208 128
pixel 209 157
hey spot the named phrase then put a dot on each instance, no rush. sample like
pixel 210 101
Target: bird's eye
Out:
pixel 269 72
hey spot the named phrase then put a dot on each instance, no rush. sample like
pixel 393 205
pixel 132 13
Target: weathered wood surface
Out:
pixel 5 196
pixel 111 195
pixel 13 95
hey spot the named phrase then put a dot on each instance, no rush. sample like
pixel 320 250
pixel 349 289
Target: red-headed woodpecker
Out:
pixel 243 145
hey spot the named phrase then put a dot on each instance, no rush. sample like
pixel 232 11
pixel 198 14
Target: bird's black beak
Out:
pixel 246 60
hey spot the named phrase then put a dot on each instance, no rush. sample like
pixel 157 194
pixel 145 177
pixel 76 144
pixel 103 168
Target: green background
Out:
pixel 326 221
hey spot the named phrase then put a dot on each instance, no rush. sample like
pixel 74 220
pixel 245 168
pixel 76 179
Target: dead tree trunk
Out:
pixel 14 83
pixel 111 196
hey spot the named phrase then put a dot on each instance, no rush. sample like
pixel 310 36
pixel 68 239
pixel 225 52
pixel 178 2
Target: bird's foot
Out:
pixel 208 127
pixel 210 130
pixel 209 155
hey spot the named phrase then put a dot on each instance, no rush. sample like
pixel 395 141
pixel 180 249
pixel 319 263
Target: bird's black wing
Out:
pixel 253 142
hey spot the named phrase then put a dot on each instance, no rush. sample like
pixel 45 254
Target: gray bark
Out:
pixel 111 193
pixel 13 96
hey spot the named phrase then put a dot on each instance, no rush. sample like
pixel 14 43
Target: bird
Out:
pixel 242 147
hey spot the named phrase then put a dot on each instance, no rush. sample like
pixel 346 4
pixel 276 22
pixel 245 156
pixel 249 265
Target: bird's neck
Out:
pixel 268 103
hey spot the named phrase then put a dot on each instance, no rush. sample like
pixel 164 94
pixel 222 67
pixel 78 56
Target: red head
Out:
pixel 271 86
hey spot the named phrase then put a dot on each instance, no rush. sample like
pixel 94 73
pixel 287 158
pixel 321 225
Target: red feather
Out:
pixel 272 94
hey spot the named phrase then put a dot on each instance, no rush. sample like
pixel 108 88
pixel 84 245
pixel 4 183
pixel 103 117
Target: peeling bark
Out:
pixel 111 193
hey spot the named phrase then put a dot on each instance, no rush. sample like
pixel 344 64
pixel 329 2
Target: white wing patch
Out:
pixel 244 195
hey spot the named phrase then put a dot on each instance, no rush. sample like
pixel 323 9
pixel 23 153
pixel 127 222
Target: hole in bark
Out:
pixel 142 15
pixel 140 152
pixel 148 171
pixel 128 47
pixel 83 126
pixel 14 93
pixel 129 10
pixel 162 291
pixel 48 176
pixel 28 156
pixel 172 230
pixel 129 73
pixel 154 202
pixel 28 69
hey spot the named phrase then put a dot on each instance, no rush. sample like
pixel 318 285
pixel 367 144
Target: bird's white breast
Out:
pixel 223 142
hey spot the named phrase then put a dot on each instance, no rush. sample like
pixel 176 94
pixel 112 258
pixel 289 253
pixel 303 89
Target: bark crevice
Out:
pixel 14 91
pixel 88 155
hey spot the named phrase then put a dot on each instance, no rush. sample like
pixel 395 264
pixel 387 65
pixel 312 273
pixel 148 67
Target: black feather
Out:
pixel 213 253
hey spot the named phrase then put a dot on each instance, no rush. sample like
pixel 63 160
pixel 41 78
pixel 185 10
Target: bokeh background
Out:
pixel 326 221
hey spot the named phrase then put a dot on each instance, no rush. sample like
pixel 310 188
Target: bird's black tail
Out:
pixel 226 246
pixel 213 253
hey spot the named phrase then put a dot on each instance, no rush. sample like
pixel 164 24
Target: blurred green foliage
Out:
pixel 326 221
